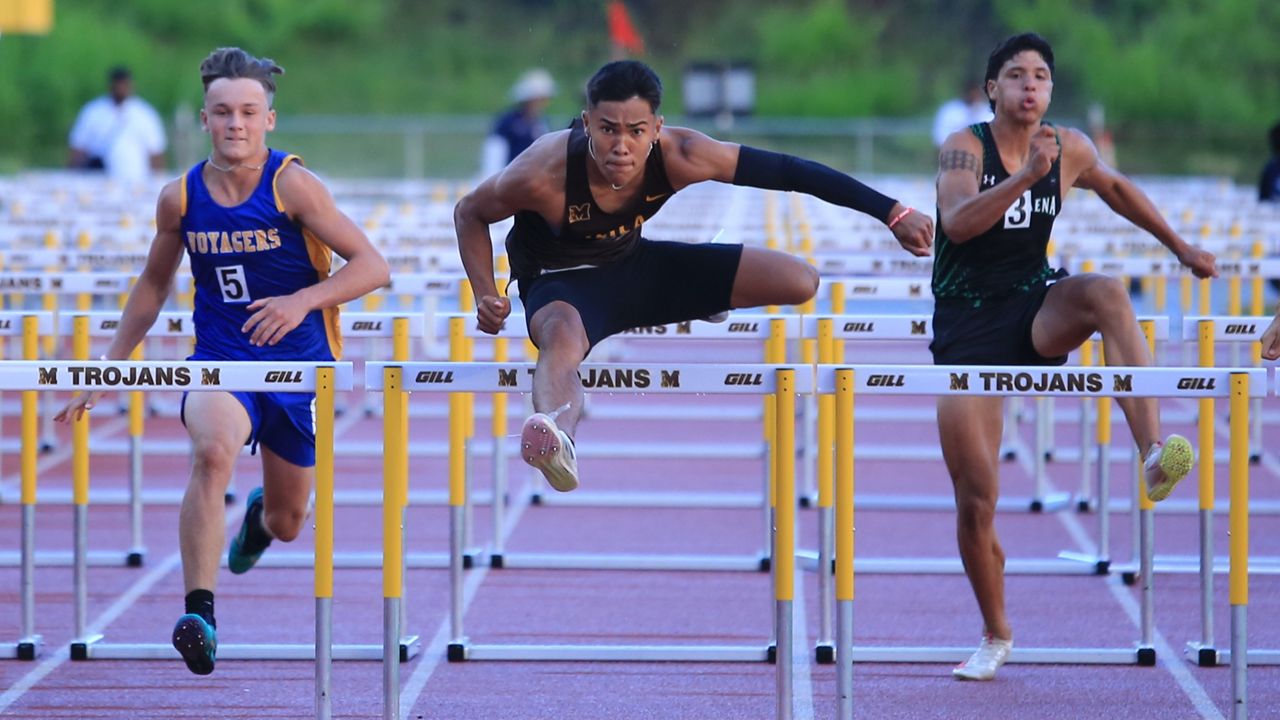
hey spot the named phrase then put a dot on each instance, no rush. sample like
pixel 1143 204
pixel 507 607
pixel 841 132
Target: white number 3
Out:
pixel 231 281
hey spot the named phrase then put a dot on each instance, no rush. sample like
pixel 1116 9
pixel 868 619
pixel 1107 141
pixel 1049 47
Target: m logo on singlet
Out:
pixel 580 213
pixel 1019 213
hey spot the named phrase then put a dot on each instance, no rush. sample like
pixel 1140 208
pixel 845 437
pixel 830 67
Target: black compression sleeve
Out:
pixel 775 171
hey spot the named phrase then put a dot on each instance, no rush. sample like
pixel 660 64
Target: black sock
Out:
pixel 257 538
pixel 200 602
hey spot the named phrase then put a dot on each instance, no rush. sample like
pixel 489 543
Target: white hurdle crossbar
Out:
pixel 1011 381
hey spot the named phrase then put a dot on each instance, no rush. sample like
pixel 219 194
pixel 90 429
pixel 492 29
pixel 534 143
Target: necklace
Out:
pixel 247 166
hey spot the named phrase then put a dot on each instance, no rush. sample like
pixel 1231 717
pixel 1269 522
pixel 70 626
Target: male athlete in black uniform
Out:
pixel 1000 186
pixel 580 196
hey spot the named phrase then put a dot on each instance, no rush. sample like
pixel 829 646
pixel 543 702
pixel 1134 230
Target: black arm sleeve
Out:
pixel 775 171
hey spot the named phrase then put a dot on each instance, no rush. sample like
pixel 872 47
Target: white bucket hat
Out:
pixel 534 84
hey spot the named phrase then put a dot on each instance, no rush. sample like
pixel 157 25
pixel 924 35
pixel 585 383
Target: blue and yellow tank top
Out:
pixel 248 252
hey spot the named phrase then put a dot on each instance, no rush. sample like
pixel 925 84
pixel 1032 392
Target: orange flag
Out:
pixel 622 32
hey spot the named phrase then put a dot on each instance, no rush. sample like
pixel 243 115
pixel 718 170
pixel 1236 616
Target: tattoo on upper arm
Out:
pixel 958 160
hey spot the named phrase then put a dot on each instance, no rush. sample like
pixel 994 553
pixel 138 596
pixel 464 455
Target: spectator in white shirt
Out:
pixel 961 112
pixel 118 132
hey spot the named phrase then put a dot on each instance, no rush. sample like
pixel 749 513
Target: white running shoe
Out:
pixel 550 450
pixel 1166 465
pixel 982 665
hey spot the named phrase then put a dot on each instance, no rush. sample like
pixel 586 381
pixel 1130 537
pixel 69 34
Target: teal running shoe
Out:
pixel 252 540
pixel 197 642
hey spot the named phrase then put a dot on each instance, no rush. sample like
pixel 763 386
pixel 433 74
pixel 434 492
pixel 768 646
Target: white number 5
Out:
pixel 231 281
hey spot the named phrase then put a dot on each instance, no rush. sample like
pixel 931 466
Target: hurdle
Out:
pixel 28 644
pixel 664 379
pixel 1008 381
pixel 771 330
pixel 197 376
pixel 1240 656
pixel 915 328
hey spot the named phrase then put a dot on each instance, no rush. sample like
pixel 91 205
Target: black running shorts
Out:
pixel 656 284
pixel 996 333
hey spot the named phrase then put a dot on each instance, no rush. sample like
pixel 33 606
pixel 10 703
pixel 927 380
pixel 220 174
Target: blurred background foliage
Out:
pixel 1189 86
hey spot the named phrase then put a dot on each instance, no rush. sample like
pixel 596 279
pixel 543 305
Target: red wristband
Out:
pixel 897 218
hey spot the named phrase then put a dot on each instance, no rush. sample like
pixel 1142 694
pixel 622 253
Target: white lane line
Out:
pixel 1169 659
pixel 123 603
pixel 801 650
pixel 435 651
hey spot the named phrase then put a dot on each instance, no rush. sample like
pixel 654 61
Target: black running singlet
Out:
pixel 588 235
pixel 1010 256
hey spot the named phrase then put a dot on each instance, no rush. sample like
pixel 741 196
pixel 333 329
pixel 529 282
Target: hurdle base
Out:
pixel 28 648
pixel 136 557
pixel 460 651
pixel 1129 577
pixel 1084 506
pixel 1204 655
pixel 457 651
pixel 66 558
pixel 495 561
pixel 1101 566
pixel 1255 657
pixel 824 654
pixel 1146 657
pixel 1031 656
pixel 410 647
pixel 80 647
pixel 622 561
pixel 1051 502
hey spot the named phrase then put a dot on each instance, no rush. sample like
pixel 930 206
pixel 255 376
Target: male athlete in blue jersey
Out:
pixel 260 231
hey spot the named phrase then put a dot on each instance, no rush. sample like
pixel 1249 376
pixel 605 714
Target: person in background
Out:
pixel 517 127
pixel 961 112
pixel 118 132
pixel 1269 183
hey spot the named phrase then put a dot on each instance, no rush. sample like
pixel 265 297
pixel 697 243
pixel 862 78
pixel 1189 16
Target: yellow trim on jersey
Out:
pixel 182 197
pixel 322 260
pixel 275 192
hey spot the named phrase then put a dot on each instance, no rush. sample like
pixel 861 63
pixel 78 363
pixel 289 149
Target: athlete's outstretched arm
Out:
pixel 309 204
pixel 1123 196
pixel 963 211
pixel 695 157
pixel 148 295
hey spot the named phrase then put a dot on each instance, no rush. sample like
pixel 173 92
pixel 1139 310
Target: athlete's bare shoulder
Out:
pixel 1079 155
pixel 171 205
pixel 536 177
pixel 693 157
